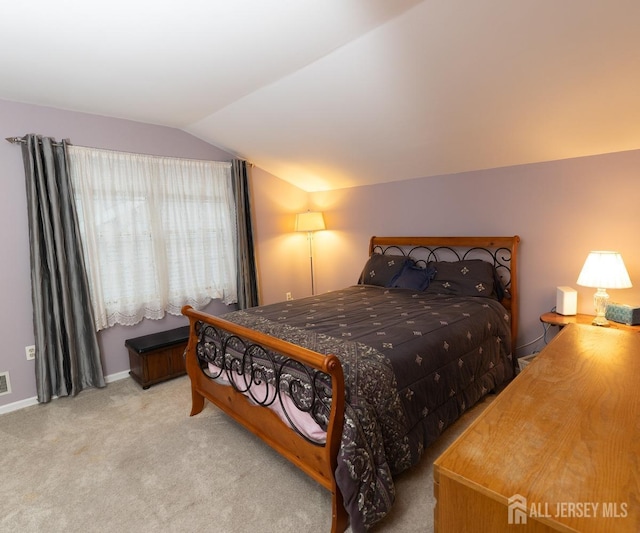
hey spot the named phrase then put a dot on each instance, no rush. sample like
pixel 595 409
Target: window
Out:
pixel 157 233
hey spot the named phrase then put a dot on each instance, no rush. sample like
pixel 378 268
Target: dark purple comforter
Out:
pixel 413 363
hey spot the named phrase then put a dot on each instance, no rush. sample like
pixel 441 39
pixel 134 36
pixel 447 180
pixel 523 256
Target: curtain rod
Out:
pixel 22 140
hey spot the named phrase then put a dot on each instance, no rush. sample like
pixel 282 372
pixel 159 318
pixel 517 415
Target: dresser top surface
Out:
pixel 566 431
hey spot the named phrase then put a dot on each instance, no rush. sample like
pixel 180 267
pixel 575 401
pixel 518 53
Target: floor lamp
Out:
pixel 310 221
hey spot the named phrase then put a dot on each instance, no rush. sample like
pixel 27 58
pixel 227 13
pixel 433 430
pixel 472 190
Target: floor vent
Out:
pixel 5 384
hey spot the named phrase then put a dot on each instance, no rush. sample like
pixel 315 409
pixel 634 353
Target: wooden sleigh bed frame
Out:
pixel 319 460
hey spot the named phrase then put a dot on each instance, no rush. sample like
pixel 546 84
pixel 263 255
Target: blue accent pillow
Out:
pixel 414 277
pixel 382 270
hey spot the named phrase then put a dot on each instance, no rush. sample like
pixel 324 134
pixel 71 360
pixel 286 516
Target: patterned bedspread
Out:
pixel 413 363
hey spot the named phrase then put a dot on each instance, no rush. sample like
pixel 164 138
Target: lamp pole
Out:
pixel 310 237
pixel 310 221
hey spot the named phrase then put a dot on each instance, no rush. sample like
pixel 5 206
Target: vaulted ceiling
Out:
pixel 339 93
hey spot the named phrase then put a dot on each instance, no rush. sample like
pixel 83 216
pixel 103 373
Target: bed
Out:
pixel 351 386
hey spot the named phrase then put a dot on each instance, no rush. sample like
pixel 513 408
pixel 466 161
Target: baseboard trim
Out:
pixel 21 404
pixel 117 377
pixel 15 406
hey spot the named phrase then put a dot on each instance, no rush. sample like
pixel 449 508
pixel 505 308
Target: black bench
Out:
pixel 157 357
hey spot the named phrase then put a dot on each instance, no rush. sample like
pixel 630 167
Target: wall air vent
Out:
pixel 5 384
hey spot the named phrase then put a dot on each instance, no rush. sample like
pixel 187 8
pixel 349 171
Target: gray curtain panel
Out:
pixel 247 273
pixel 67 353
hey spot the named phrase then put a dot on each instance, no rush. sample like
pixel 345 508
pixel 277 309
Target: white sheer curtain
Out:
pixel 157 232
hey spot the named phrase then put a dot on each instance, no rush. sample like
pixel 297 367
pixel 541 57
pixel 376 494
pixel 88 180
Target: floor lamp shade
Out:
pixel 310 221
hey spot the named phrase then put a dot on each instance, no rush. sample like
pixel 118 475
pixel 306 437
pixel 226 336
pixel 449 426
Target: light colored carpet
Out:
pixel 123 459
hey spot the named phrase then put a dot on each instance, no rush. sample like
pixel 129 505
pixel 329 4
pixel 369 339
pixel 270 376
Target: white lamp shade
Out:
pixel 310 221
pixel 604 270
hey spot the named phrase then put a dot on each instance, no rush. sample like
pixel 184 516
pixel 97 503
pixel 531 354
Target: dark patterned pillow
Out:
pixel 471 277
pixel 382 270
pixel 414 277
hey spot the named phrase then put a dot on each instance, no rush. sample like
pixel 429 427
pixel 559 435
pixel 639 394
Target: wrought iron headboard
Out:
pixel 501 252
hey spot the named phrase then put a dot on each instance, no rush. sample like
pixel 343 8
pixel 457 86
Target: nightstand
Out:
pixel 555 319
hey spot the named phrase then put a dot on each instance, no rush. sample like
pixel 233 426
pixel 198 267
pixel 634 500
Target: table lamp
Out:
pixel 603 270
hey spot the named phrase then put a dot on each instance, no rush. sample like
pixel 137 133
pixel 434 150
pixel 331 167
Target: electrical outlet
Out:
pixel 288 296
pixel 30 351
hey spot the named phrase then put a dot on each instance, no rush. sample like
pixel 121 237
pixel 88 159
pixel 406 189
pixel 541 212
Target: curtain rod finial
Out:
pixel 14 140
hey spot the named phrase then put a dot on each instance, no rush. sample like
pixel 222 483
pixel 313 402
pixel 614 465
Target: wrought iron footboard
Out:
pixel 268 378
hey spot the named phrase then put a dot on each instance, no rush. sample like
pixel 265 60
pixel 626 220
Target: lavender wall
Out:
pixel 16 326
pixel 561 210
pixel 282 254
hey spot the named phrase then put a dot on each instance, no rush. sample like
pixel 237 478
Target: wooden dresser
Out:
pixel 557 450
